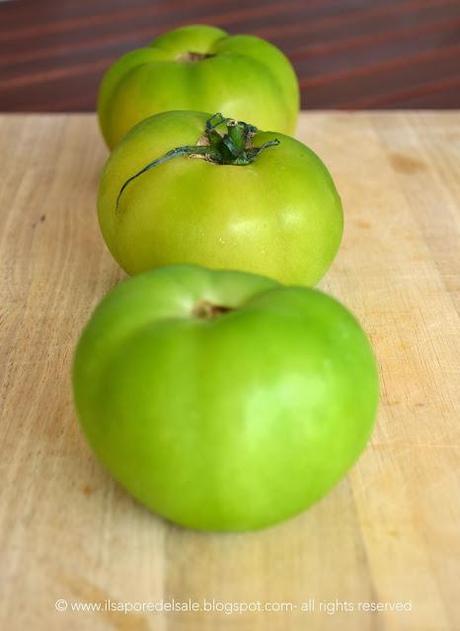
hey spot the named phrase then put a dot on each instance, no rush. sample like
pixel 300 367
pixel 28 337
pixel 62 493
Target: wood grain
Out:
pixel 389 532
pixel 348 54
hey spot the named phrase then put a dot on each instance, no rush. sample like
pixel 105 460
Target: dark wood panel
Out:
pixel 347 53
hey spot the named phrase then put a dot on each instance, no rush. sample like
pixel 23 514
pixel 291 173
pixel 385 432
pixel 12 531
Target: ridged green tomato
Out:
pixel 224 400
pixel 270 210
pixel 200 68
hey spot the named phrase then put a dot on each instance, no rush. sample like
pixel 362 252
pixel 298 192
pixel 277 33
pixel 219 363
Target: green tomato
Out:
pixel 227 203
pixel 223 400
pixel 200 68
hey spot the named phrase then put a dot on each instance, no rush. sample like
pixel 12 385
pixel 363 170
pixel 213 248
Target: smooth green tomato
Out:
pixel 223 400
pixel 200 68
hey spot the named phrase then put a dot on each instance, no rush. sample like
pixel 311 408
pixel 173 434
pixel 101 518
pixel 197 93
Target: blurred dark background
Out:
pixel 349 54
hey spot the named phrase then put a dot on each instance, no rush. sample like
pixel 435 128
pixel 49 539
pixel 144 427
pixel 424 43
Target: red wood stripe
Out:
pixel 393 98
pixel 348 53
pixel 351 16
pixel 392 64
pixel 361 41
pixel 121 16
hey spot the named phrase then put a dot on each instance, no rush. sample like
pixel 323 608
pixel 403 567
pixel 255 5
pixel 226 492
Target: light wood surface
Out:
pixel 388 533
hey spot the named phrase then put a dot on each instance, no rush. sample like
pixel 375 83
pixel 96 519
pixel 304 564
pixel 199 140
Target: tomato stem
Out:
pixel 193 57
pixel 232 147
pixel 205 310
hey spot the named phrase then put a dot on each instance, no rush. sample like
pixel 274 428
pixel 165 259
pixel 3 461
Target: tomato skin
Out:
pixel 245 78
pixel 227 423
pixel 280 216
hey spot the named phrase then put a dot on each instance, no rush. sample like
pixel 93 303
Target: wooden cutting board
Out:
pixel 389 533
